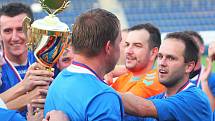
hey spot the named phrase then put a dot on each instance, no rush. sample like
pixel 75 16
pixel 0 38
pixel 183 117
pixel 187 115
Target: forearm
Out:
pixel 12 93
pixel 18 103
pixel 138 106
pixel 24 99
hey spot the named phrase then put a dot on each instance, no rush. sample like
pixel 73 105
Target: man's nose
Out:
pixel 15 36
pixel 129 50
pixel 162 62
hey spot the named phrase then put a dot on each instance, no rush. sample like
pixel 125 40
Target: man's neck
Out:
pixel 176 88
pixel 18 60
pixel 93 63
pixel 198 65
pixel 144 70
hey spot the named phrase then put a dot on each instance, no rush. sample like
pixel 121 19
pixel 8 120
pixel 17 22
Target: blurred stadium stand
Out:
pixel 168 15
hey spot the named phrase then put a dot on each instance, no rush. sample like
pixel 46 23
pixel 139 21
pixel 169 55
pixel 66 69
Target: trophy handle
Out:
pixel 26 24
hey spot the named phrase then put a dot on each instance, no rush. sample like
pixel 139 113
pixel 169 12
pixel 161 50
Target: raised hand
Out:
pixel 37 75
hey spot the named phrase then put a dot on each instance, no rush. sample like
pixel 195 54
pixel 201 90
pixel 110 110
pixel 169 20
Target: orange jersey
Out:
pixel 146 86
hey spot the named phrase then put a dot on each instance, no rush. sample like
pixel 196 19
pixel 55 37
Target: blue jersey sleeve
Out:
pixel 105 107
pixel 184 107
pixel 10 115
pixel 211 83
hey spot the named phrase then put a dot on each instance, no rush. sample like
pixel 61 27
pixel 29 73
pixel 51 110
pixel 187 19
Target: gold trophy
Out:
pixel 48 37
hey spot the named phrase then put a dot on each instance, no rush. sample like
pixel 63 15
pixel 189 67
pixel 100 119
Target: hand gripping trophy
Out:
pixel 48 37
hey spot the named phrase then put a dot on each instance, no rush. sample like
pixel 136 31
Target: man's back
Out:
pixel 81 95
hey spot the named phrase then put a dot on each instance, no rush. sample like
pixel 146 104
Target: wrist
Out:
pixel 21 89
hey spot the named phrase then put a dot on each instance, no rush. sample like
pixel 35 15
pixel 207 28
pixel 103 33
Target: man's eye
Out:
pixel 170 58
pixel 66 59
pixel 20 29
pixel 7 30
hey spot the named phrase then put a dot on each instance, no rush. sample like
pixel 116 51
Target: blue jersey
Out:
pixel 211 83
pixel 10 115
pixel 188 105
pixel 211 80
pixel 83 96
pixel 9 77
pixel 213 116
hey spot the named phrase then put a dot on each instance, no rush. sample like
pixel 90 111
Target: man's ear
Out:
pixel 154 52
pixel 108 47
pixel 190 66
pixel 202 49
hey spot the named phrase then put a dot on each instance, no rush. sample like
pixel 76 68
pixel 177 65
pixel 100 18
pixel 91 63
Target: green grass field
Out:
pixel 204 62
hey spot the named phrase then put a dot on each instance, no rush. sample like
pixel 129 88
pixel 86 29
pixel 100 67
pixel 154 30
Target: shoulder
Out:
pixel 10 115
pixel 170 107
pixel 106 105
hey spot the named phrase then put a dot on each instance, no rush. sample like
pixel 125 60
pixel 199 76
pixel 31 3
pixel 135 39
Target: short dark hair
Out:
pixel 191 49
pixel 155 35
pixel 92 30
pixel 14 9
pixel 195 34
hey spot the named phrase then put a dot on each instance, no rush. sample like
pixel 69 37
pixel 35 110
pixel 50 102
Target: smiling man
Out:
pixel 17 57
pixel 141 49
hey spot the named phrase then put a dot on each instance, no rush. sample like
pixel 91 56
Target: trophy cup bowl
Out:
pixel 47 37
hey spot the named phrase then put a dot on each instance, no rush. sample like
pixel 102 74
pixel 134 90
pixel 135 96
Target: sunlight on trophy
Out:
pixel 48 37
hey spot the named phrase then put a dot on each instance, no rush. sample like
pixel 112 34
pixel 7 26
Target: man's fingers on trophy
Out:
pixel 38 103
pixel 39 66
pixel 30 110
pixel 42 78
pixel 39 115
pixel 46 73
pixel 43 87
pixel 35 66
pixel 40 73
pixel 43 91
pixel 40 83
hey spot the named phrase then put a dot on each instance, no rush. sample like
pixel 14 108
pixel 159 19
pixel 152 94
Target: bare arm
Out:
pixel 25 99
pixel 207 71
pixel 204 82
pixel 119 70
pixel 12 93
pixel 138 106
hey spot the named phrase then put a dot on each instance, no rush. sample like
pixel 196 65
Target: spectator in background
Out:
pixel 182 101
pixel 64 61
pixel 195 76
pixel 121 60
pixel 17 57
pixel 96 44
